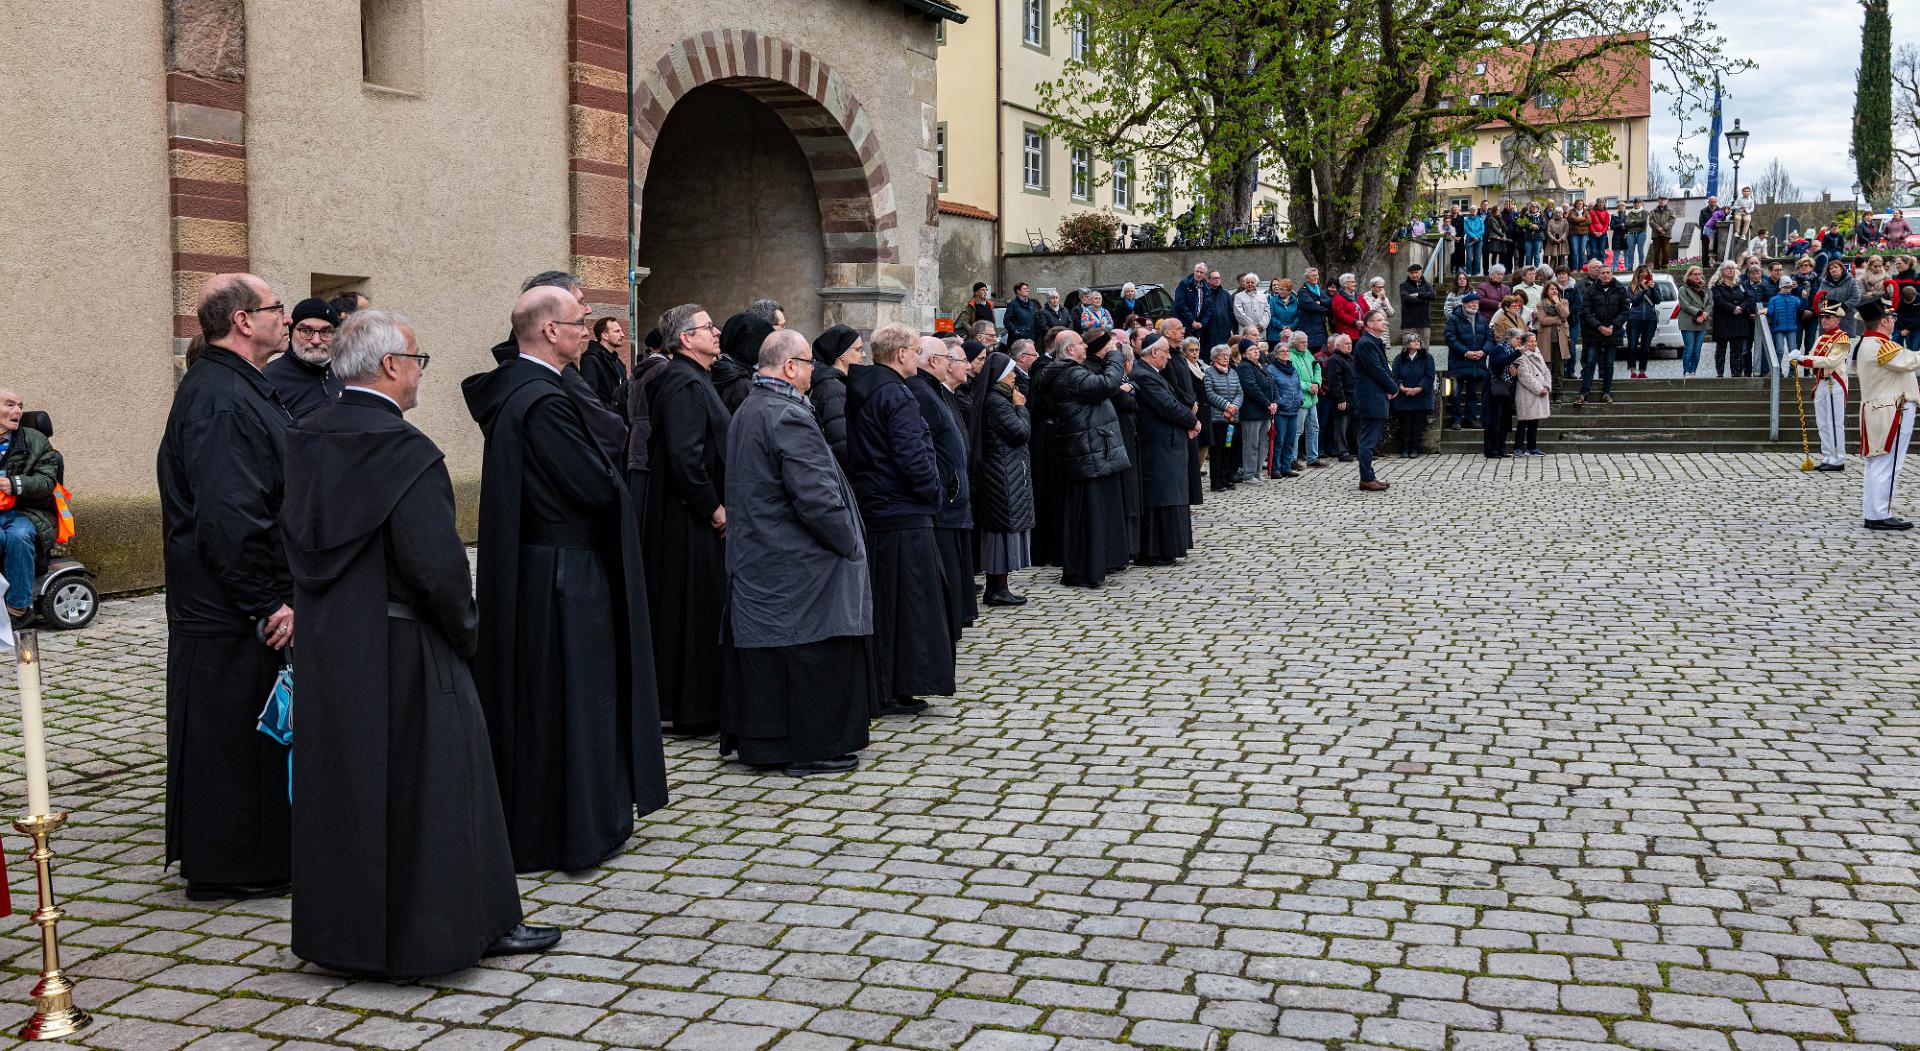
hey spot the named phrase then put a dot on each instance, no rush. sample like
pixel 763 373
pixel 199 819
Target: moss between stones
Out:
pixel 119 538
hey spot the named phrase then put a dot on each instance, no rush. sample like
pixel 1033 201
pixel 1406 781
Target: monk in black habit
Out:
pixel 896 478
pixel 566 658
pixel 800 691
pixel 401 866
pixel 686 522
pixel 229 614
pixel 1081 383
pixel 1167 427
pixel 953 518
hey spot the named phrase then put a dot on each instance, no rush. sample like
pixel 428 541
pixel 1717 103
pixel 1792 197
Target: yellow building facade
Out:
pixel 993 153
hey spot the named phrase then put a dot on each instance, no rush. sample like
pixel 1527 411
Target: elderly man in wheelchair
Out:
pixel 30 469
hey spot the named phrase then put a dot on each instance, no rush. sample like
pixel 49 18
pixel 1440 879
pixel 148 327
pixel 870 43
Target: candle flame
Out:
pixel 26 645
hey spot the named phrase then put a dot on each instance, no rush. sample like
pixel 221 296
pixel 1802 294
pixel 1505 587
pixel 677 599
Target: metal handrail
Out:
pixel 1765 339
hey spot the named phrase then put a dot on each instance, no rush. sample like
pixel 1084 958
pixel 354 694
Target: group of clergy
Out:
pixel 748 534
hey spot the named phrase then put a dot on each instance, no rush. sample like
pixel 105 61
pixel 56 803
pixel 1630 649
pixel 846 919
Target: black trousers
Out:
pixel 1467 396
pixel 1413 427
pixel 1499 419
pixel 1526 435
pixel 1336 436
pixel 1640 344
pixel 1222 459
pixel 1739 350
pixel 1371 427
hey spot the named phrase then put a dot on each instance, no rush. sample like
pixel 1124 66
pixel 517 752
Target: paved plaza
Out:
pixel 1572 753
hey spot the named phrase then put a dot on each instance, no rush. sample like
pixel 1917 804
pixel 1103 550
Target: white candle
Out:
pixel 33 729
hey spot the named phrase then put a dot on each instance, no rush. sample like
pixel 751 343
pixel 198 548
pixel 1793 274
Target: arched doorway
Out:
pixel 756 172
pixel 731 213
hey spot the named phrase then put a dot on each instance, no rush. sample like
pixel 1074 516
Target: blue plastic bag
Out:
pixel 276 719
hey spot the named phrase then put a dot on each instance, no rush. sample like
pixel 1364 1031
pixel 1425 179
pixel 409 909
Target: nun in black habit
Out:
pixel 401 863
pixel 686 550
pixel 740 341
pixel 1123 403
pixel 953 518
pixel 1083 382
pixel 565 667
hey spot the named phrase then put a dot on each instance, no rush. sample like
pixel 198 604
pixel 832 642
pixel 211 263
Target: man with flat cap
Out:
pixel 1889 396
pixel 401 866
pixel 303 376
pixel 566 666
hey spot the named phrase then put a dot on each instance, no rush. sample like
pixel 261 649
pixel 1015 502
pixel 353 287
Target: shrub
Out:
pixel 1088 232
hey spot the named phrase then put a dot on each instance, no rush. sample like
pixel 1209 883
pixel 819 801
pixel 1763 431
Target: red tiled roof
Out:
pixel 956 208
pixel 1628 70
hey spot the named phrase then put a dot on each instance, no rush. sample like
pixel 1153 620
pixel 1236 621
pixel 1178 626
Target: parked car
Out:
pixel 1667 335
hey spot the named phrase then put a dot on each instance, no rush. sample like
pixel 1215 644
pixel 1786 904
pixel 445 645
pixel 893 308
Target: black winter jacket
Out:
pixel 1336 379
pixel 1258 390
pixel 1602 302
pixel 949 451
pixel 1086 436
pixel 829 397
pixel 896 476
pixel 1005 499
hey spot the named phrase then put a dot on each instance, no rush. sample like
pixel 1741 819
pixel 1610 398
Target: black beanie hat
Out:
pixel 316 307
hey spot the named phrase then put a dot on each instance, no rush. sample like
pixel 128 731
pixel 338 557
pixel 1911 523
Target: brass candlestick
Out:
pixel 54 1015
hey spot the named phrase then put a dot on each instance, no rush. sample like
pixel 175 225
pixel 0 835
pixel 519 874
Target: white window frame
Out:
pixel 1033 24
pixel 1460 201
pixel 1123 184
pixel 1479 69
pixel 1460 158
pixel 1080 37
pixel 1575 149
pixel 1033 160
pixel 1163 191
pixel 1080 173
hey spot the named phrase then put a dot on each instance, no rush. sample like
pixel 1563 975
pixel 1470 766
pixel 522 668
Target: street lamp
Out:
pixel 1736 149
pixel 1856 196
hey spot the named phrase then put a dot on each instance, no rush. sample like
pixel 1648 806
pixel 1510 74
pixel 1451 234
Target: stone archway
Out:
pixel 836 141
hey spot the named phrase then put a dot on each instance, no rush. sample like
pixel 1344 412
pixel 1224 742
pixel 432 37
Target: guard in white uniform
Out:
pixel 1828 360
pixel 1889 396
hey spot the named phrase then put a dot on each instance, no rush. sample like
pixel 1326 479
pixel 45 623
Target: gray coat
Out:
pixel 796 558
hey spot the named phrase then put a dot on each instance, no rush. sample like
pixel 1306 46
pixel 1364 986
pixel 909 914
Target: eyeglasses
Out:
pixel 322 334
pixel 276 307
pixel 708 327
pixel 423 359
pixel 583 322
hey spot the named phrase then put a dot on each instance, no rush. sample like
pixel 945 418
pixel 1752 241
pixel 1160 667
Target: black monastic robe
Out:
pixel 401 866
pixel 566 660
pixel 686 558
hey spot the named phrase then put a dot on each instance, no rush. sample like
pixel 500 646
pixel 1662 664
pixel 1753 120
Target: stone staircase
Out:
pixel 1669 416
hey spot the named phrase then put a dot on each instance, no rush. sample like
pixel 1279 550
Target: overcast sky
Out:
pixel 1798 99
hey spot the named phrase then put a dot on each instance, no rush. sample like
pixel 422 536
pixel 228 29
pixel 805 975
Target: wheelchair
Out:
pixel 64 595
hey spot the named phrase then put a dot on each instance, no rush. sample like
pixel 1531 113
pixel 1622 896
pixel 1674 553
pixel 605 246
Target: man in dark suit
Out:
pixel 1190 299
pixel 1373 391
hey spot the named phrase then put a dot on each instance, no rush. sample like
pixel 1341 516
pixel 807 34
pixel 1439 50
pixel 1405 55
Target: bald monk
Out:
pixel 565 666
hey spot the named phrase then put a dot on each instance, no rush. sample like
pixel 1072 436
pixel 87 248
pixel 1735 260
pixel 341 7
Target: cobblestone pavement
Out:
pixel 1576 753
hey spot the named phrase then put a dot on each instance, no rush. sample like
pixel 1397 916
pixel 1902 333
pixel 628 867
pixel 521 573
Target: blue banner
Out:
pixel 1713 146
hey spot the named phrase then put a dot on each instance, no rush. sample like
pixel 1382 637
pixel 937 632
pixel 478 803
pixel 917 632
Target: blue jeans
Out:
pixel 1690 350
pixel 1534 245
pixel 19 548
pixel 1475 249
pixel 1577 245
pixel 1463 409
pixel 1308 429
pixel 1286 433
pixel 1912 340
pixel 1636 248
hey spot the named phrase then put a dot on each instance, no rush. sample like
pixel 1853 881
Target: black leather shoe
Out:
pixel 837 765
pixel 1889 523
pixel 237 891
pixel 903 706
pixel 523 939
pixel 1831 467
pixel 1005 598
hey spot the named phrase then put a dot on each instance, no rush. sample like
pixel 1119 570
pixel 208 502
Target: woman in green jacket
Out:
pixel 1308 368
pixel 1696 314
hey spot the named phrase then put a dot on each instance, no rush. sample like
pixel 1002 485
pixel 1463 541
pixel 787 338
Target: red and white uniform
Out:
pixel 1829 364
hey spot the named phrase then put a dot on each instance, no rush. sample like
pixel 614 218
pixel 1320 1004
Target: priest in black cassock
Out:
pixel 800 690
pixel 566 662
pixel 896 478
pixel 686 520
pixel 221 469
pixel 953 518
pixel 1046 470
pixel 401 866
pixel 1167 427
pixel 1082 383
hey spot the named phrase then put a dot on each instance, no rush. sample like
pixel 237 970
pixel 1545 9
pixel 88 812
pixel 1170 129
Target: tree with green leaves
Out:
pixel 1873 106
pixel 1346 102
